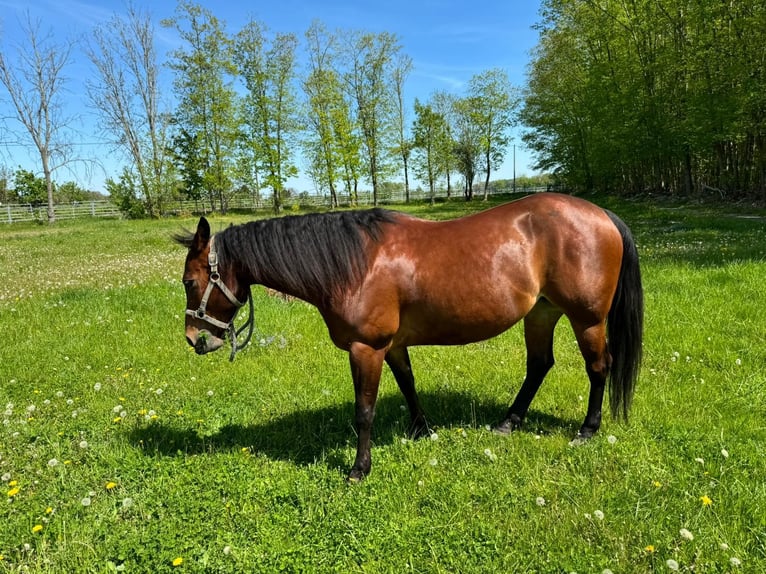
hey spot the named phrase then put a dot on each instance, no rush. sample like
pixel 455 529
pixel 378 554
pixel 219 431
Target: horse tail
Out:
pixel 625 326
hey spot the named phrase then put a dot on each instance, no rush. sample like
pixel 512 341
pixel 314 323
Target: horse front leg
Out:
pixel 366 366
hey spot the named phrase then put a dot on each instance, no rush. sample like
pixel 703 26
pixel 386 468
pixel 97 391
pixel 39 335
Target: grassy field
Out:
pixel 121 450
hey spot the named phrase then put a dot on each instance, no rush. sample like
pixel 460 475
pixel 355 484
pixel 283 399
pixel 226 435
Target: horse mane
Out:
pixel 314 255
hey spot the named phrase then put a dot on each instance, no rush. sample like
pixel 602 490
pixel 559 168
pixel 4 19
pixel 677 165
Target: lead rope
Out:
pixel 234 333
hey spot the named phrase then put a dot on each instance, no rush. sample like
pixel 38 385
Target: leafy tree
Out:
pixel 267 68
pixel 429 129
pixel 651 95
pixel 496 103
pixel 124 193
pixel 467 147
pixel 403 145
pixel 369 60
pixel 207 102
pixel 31 189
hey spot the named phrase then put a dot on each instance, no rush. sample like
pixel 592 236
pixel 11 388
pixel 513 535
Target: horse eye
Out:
pixel 188 283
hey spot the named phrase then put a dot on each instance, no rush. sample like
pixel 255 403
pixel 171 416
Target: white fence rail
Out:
pixel 17 213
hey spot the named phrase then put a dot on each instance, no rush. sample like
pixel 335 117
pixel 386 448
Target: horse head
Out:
pixel 211 304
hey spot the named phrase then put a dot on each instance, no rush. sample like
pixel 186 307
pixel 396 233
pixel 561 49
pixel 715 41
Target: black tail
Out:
pixel 625 326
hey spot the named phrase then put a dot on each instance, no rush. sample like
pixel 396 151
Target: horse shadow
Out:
pixel 323 434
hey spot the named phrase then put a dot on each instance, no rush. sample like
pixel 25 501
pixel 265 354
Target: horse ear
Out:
pixel 202 237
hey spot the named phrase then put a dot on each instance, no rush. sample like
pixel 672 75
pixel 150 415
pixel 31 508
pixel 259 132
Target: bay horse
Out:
pixel 384 281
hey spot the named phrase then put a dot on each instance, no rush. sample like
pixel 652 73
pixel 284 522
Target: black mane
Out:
pixel 312 255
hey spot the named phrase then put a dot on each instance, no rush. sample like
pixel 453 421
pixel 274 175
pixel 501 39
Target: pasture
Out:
pixel 121 450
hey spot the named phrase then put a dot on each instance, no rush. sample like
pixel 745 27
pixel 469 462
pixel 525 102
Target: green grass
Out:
pixel 240 467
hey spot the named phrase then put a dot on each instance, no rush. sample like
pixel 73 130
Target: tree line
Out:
pixel 244 109
pixel 651 96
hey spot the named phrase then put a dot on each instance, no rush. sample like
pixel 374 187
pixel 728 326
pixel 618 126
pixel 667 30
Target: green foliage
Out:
pixel 658 96
pixel 125 195
pixel 29 188
pixel 131 452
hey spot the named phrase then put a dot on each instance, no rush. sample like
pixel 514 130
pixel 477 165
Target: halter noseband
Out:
pixel 201 312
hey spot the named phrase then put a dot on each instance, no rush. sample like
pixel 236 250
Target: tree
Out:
pixel 429 129
pixel 127 97
pixel 369 60
pixel 35 84
pixel 443 104
pixel 207 103
pixel 496 103
pixel 267 69
pixel 29 188
pixel 403 145
pixel 467 147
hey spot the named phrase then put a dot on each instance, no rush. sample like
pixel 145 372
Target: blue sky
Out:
pixel 448 40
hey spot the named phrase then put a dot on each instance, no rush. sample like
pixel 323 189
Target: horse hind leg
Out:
pixel 593 346
pixel 539 325
pixel 398 360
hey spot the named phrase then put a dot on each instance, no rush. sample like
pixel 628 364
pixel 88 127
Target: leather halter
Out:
pixel 201 312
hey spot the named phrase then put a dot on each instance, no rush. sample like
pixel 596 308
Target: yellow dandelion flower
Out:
pixel 117 419
pixel 656 484
pixel 37 528
pixel 110 485
pixel 650 549
pixel 13 483
pixel 178 561
pixel 13 492
pixel 705 500
pixel 49 510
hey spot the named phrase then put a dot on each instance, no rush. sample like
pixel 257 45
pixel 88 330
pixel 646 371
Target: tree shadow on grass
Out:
pixel 305 436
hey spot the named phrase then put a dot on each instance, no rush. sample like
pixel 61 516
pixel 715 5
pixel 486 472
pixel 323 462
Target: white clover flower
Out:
pixel 738 362
pixel 433 462
pixel 117 409
pixel 598 515
pixel 97 387
pixel 672 564
pixel 434 436
pixel 31 409
pixel 6 477
pixel 540 501
pixel 60 394
pixel 53 462
pixel 611 439
pixel 158 392
pixel 85 501
pixel 724 453
pixel 734 561
pixel 83 444
pixel 686 534
pixel 210 394
pixel 723 546
pixel 490 455
pixel 227 550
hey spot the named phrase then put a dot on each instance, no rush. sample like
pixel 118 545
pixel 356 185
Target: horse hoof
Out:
pixel 507 427
pixel 355 476
pixel 419 430
pixel 580 440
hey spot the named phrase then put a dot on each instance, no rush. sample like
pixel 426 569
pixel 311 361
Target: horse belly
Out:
pixel 455 320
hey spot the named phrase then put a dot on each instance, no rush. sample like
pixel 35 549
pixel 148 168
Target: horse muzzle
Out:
pixel 204 342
